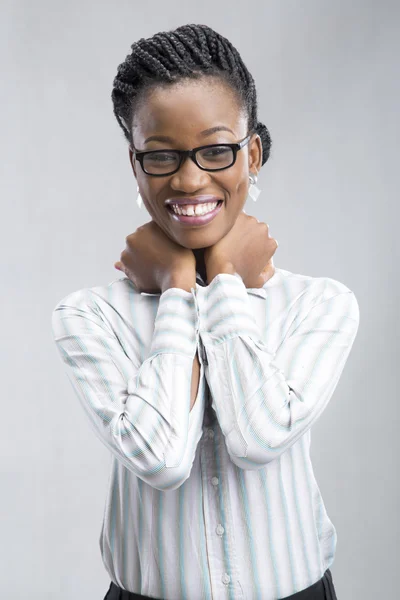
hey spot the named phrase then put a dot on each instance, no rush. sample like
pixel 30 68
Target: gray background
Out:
pixel 329 93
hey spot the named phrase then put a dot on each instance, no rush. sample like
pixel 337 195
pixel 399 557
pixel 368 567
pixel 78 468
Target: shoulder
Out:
pixel 323 285
pixel 107 302
pixel 308 291
pixel 116 289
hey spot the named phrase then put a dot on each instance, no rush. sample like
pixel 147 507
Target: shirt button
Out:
pixel 225 578
pixel 210 433
pixel 220 530
pixel 215 480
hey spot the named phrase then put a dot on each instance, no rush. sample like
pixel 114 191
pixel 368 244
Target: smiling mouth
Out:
pixel 194 210
pixel 199 214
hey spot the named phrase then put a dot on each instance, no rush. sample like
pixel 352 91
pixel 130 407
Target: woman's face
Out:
pixel 181 113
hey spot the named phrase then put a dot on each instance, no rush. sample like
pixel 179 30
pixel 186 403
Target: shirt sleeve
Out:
pixel 265 401
pixel 141 413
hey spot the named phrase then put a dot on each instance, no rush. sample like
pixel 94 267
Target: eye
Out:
pixel 216 157
pixel 161 157
pixel 216 151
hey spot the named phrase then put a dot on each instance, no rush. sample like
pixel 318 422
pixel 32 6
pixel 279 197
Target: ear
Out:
pixel 255 154
pixel 132 161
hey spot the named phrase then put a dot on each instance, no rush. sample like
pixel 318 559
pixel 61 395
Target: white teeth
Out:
pixel 194 209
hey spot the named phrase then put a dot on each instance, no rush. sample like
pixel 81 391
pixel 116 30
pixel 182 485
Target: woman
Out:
pixel 203 369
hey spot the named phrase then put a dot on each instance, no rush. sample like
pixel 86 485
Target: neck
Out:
pixel 200 264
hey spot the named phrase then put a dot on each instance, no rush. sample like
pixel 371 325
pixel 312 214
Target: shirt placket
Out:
pixel 218 522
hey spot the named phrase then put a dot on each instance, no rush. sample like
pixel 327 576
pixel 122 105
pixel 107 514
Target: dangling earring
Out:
pixel 254 190
pixel 139 198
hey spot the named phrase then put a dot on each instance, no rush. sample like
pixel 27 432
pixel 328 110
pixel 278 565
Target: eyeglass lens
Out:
pixel 216 157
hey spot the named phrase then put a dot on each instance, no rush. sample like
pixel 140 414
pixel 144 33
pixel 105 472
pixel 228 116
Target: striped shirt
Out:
pixel 220 501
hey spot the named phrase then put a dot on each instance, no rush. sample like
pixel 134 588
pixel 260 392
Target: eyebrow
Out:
pixel 205 133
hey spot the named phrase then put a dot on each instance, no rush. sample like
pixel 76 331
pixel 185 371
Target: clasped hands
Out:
pixel 155 263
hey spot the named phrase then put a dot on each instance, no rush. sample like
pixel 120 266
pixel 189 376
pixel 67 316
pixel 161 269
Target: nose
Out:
pixel 189 177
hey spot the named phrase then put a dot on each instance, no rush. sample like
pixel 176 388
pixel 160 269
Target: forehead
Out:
pixel 183 109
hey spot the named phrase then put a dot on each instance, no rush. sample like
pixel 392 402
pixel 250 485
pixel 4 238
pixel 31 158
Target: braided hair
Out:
pixel 188 52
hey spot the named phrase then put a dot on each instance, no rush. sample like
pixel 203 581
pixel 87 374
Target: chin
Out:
pixel 194 240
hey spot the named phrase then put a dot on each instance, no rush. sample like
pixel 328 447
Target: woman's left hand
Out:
pixel 247 249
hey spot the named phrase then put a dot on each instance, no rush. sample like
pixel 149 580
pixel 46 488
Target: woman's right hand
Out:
pixel 154 262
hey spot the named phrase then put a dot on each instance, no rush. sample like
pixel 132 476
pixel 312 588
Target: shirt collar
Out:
pixel 261 292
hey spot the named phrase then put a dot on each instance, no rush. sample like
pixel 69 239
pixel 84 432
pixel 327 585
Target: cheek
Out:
pixel 150 193
pixel 241 188
pixel 241 191
pixel 238 182
pixel 235 184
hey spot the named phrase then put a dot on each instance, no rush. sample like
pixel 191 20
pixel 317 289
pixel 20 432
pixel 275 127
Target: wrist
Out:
pixel 216 268
pixel 179 281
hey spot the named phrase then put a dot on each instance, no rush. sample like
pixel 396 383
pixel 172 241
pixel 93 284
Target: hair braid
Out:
pixel 190 51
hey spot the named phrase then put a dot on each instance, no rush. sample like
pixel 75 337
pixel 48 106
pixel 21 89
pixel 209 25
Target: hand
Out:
pixel 154 262
pixel 247 249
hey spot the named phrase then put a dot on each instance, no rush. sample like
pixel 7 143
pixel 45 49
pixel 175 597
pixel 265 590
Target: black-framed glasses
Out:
pixel 213 157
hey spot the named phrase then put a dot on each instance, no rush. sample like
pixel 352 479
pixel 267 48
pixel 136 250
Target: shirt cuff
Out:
pixel 226 310
pixel 175 324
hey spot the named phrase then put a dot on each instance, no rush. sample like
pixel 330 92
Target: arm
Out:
pixel 141 413
pixel 187 285
pixel 264 401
